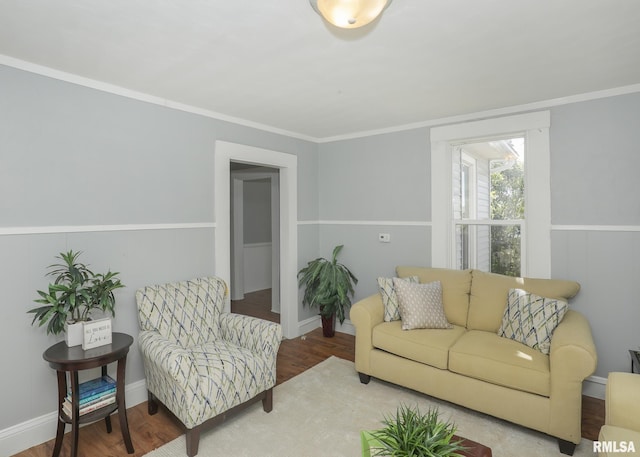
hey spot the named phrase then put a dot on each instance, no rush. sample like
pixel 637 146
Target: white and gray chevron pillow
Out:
pixel 390 298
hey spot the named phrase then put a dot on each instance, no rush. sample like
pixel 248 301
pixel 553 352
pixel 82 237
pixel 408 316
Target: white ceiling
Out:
pixel 277 64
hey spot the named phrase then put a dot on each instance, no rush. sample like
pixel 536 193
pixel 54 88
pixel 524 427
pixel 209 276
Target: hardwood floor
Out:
pixel 592 417
pixel 295 356
pixel 257 304
pixel 151 432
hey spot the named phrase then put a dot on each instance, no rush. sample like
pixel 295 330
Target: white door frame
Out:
pixel 237 249
pixel 287 164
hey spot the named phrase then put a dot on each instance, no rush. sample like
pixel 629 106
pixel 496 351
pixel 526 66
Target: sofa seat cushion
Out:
pixel 428 346
pixel 488 357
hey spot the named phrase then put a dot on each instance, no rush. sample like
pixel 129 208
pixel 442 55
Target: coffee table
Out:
pixel 473 449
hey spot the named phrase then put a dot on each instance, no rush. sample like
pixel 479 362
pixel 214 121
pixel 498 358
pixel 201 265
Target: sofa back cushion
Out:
pixel 489 293
pixel 456 285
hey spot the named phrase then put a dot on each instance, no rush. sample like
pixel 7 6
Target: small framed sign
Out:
pixel 96 333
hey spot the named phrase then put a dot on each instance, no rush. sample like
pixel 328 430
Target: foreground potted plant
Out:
pixel 75 293
pixel 328 286
pixel 411 433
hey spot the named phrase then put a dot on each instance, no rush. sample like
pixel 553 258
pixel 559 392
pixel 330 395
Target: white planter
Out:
pixel 74 333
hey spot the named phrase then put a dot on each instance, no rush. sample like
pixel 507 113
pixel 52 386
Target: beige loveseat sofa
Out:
pixel 471 365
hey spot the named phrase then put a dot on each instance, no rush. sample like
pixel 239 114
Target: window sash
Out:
pixel 536 247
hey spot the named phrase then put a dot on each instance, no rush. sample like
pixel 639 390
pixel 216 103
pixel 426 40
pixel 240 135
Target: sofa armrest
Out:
pixel 258 335
pixel 365 315
pixel 573 352
pixel 572 359
pixel 623 401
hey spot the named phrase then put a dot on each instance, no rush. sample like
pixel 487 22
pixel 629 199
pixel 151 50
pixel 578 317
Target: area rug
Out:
pixel 321 412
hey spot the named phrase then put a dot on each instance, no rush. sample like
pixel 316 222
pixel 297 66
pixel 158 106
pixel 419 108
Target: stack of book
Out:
pixel 94 394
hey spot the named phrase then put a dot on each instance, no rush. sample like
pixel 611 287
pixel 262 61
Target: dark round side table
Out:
pixel 65 359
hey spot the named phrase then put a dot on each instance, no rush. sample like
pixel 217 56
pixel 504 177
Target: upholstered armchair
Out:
pixel 200 362
pixel 622 421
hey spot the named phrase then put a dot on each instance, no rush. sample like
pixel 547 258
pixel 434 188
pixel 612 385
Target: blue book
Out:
pixel 90 398
pixel 94 386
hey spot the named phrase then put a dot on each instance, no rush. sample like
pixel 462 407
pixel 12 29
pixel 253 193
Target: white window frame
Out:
pixel 536 231
pixel 471 164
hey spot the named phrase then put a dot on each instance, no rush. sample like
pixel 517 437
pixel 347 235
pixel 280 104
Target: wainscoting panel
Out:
pixel 257 267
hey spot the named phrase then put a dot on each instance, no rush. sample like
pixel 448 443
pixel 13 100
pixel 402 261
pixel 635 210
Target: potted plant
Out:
pixel 328 286
pixel 411 433
pixel 75 293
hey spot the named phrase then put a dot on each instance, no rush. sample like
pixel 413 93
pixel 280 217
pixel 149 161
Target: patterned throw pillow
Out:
pixel 531 319
pixel 421 305
pixel 390 298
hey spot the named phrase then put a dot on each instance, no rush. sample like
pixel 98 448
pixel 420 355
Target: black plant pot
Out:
pixel 328 325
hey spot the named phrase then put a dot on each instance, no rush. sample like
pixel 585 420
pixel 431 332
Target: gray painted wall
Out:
pixel 366 186
pixel 594 158
pixel 74 156
pixel 257 211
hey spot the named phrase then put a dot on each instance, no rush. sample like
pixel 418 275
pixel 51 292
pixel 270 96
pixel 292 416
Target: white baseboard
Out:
pixel 594 386
pixel 314 322
pixel 308 325
pixel 35 431
pixel 346 327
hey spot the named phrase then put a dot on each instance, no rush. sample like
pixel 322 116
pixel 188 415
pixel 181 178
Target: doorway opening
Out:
pixel 286 164
pixel 255 235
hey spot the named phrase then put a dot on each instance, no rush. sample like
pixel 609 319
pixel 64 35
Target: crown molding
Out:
pixel 140 96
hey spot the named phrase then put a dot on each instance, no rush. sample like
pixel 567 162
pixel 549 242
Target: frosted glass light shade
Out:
pixel 349 14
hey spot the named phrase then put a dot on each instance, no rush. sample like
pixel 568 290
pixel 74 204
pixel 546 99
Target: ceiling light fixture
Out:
pixel 349 14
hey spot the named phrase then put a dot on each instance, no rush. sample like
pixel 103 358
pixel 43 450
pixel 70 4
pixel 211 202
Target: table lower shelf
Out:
pixel 92 416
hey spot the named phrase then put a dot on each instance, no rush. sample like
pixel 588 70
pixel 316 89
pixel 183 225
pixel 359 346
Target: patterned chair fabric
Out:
pixel 199 361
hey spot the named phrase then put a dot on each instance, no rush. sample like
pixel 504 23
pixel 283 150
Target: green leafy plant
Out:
pixel 412 434
pixel 329 285
pixel 75 293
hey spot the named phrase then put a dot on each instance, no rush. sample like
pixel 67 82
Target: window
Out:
pixel 490 200
pixel 488 204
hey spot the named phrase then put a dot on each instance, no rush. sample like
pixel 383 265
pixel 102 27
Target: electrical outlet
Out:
pixel 384 237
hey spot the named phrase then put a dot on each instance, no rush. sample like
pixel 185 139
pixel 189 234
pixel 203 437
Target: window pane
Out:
pixel 507 184
pixel 463 249
pixel 506 249
pixel 492 248
pixel 488 185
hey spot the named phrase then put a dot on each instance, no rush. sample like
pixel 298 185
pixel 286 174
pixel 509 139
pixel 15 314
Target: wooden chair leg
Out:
pixel 193 440
pixel 267 401
pixel 152 403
